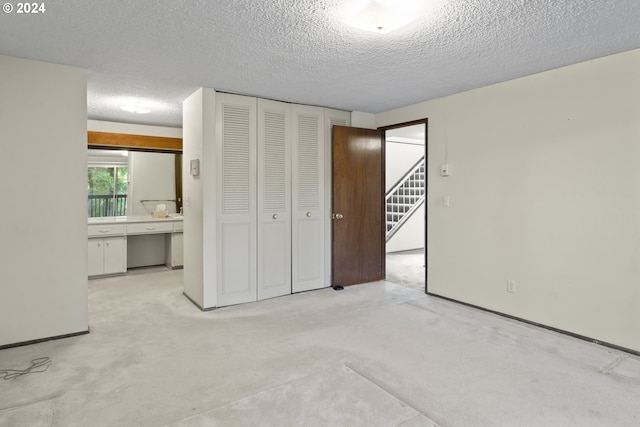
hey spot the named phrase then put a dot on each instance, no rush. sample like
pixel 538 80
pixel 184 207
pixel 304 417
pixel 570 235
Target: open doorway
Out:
pixel 406 194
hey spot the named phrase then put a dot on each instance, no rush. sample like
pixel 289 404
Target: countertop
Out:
pixel 130 219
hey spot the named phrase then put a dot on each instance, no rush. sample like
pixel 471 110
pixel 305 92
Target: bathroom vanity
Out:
pixel 118 243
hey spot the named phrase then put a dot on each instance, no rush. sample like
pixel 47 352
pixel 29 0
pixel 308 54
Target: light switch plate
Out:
pixel 194 169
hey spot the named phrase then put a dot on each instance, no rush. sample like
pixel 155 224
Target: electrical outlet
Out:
pixel 511 286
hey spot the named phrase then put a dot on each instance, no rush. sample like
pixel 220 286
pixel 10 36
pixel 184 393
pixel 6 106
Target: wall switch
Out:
pixel 194 167
pixel 444 169
pixel 511 286
pixel 446 201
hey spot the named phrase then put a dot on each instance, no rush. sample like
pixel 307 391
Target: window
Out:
pixel 107 188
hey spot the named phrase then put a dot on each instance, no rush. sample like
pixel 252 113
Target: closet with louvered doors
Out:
pixel 270 213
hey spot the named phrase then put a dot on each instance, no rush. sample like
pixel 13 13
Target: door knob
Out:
pixel 275 216
pixel 308 214
pixel 339 216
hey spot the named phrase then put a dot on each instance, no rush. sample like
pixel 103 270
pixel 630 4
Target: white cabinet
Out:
pixel 173 250
pixel 149 228
pixel 115 254
pixel 96 257
pixel 107 255
pixel 108 244
pixel 103 230
pixel 177 251
pixel 107 249
pixel 173 246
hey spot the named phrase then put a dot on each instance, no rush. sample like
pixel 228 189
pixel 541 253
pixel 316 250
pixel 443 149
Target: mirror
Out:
pixel 132 183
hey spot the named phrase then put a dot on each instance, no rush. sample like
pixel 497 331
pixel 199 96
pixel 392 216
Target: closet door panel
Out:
pixel 308 199
pixel 307 265
pixel 236 199
pixel 274 199
pixel 274 278
pixel 235 266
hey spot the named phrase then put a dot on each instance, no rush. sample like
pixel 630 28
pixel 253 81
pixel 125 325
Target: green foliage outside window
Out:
pixel 107 189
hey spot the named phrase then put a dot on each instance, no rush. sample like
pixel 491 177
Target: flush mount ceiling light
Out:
pixel 383 16
pixel 135 108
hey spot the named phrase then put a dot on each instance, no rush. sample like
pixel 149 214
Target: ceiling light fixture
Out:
pixel 382 16
pixel 135 108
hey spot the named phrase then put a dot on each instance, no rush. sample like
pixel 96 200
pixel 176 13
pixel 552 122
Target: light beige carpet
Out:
pixel 369 355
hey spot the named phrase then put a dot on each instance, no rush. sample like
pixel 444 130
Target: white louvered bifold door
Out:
pixel 339 118
pixel 308 250
pixel 274 199
pixel 236 199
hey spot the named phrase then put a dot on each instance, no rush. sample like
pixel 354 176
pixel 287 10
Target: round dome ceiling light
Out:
pixel 382 16
pixel 135 108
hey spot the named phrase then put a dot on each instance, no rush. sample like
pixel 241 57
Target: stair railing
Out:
pixel 404 189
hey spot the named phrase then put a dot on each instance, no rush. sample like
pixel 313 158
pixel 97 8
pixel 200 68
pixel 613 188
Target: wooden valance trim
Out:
pixel 123 140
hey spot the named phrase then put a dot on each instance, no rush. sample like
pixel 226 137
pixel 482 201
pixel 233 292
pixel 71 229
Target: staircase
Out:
pixel 405 197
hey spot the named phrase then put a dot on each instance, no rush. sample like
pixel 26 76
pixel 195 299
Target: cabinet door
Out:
pixel 236 199
pixel 177 257
pixel 331 118
pixel 115 255
pixel 274 199
pixel 308 249
pixel 173 250
pixel 96 257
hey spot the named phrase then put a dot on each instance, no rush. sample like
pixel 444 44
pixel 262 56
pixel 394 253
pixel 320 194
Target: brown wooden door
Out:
pixel 358 252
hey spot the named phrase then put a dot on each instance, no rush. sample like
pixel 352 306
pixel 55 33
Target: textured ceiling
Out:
pixel 161 51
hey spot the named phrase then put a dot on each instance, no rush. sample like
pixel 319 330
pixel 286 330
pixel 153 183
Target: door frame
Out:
pixel 384 130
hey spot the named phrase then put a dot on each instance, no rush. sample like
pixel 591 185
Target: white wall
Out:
pixel 545 190
pixel 43 168
pixel 363 120
pixel 399 158
pixel 410 235
pixel 199 199
pixel 133 129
